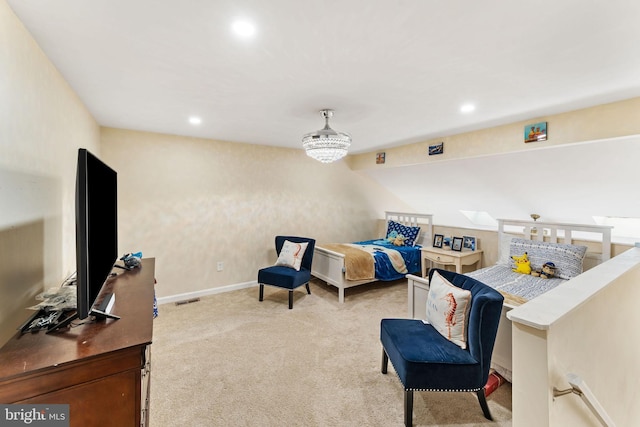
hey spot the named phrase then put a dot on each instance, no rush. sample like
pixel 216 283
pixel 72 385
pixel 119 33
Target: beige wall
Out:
pixel 193 202
pixel 42 123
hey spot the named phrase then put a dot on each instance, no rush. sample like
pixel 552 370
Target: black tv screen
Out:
pixel 96 228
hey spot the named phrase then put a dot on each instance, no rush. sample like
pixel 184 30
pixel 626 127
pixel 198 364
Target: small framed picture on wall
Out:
pixel 456 245
pixel 535 132
pixel 437 240
pixel 436 149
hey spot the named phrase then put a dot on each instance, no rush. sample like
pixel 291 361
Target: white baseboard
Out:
pixel 211 291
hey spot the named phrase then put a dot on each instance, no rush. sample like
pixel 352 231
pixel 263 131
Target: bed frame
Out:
pixel 329 265
pixel 594 236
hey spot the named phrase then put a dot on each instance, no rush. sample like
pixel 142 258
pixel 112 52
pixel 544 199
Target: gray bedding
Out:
pixel 503 279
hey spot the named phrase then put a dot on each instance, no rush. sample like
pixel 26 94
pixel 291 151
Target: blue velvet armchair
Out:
pixel 287 277
pixel 427 361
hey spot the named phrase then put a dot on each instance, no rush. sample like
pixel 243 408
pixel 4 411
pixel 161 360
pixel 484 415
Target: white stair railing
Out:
pixel 579 387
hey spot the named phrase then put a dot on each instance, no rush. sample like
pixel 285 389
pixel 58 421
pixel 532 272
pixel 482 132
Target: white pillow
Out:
pixel 291 254
pixel 448 309
pixel 504 249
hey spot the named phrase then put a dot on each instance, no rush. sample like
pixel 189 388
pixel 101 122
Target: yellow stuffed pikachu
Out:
pixel 523 265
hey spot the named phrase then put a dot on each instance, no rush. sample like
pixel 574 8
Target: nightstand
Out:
pixel 448 257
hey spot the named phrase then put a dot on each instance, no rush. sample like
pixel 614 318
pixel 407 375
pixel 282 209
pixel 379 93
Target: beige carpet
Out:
pixel 232 360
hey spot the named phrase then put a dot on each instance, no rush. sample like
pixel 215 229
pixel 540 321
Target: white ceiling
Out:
pixel 395 72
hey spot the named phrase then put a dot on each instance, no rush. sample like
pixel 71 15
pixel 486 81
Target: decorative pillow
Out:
pixel 291 254
pixel 448 309
pixel 503 249
pixel 410 234
pixel 567 258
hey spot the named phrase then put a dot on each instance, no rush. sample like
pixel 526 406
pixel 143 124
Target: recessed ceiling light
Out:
pixel 243 28
pixel 195 120
pixel 467 108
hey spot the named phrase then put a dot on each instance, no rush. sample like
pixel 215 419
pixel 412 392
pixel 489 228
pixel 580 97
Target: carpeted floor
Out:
pixel 232 360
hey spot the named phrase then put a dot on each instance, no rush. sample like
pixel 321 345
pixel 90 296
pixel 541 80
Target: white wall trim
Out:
pixel 205 292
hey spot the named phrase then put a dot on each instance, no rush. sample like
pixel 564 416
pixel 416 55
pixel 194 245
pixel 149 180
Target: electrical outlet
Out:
pixel 220 265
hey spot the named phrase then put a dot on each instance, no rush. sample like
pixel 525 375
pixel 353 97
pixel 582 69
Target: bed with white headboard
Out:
pixel 335 264
pixel 573 248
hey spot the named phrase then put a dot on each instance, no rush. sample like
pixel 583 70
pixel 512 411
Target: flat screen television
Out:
pixel 96 214
pixel 96 230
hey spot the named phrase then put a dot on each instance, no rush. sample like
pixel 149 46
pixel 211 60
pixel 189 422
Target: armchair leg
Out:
pixel 385 361
pixel 483 404
pixel 290 300
pixel 261 296
pixel 308 290
pixel 408 408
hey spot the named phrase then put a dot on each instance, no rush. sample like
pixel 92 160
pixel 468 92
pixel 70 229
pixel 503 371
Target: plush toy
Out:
pixel 547 272
pixel 396 239
pixel 523 265
pixel 132 261
pixel 399 240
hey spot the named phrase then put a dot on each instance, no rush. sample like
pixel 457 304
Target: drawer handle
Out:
pixel 438 258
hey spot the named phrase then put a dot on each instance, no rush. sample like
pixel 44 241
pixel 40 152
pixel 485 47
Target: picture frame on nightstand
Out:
pixel 469 242
pixel 437 240
pixel 456 244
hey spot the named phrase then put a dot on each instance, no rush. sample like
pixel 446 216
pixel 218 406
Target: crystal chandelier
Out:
pixel 326 145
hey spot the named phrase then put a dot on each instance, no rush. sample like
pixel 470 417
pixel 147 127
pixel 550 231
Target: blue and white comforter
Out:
pixel 392 262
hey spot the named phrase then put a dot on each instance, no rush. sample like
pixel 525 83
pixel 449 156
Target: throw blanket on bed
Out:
pixel 396 260
pixel 375 259
pixel 512 300
pixel 358 264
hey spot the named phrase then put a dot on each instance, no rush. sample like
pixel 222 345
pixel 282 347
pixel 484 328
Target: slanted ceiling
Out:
pixel 569 183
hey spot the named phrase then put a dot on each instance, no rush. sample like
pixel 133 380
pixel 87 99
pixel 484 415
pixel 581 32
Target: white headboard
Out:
pixel 424 221
pixel 559 233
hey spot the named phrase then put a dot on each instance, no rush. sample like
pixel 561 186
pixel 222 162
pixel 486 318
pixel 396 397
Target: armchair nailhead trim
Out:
pixel 438 389
pixel 429 389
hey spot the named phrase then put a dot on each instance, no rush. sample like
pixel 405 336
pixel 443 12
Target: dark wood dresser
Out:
pixel 101 369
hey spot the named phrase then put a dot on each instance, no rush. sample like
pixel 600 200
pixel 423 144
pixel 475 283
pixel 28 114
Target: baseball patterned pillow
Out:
pixel 448 309
pixel 291 254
